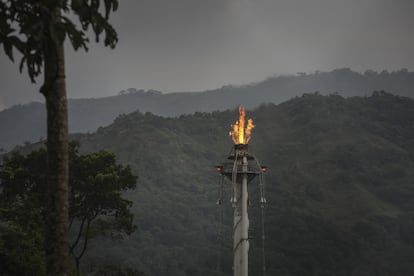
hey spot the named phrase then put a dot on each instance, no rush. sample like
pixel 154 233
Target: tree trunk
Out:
pixel 54 90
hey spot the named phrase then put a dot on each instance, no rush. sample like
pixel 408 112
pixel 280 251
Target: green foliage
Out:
pixel 97 183
pixel 21 250
pixel 37 30
pixel 97 205
pixel 339 188
pixel 42 27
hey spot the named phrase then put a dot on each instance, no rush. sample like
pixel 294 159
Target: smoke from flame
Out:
pixel 239 134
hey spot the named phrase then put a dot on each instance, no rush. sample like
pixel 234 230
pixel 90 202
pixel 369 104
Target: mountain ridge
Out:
pixel 26 123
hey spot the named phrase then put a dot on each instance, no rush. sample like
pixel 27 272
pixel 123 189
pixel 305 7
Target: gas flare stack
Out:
pixel 241 169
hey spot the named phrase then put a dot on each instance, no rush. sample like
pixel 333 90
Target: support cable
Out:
pixel 234 179
pixel 263 209
pixel 220 226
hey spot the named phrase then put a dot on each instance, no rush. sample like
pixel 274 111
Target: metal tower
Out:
pixel 241 170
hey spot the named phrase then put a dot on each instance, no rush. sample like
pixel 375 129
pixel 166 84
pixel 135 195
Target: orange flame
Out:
pixel 239 134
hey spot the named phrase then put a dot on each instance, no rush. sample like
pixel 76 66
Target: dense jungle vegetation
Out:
pixel 339 188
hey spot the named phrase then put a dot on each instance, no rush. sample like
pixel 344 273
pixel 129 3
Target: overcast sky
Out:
pixel 194 45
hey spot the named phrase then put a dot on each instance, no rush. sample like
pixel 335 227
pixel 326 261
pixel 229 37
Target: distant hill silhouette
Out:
pixel 26 123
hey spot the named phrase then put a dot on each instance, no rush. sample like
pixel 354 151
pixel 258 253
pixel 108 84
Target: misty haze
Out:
pixel 219 137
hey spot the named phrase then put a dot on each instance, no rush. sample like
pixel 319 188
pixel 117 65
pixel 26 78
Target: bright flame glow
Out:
pixel 239 134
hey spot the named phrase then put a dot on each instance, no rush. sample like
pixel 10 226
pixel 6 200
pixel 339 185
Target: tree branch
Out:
pixel 78 237
pixel 85 241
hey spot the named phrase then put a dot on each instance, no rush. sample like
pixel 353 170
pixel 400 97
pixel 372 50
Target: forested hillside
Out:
pixel 27 123
pixel 339 188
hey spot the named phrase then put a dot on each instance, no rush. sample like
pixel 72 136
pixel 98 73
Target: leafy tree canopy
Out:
pixel 36 29
pixel 97 206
